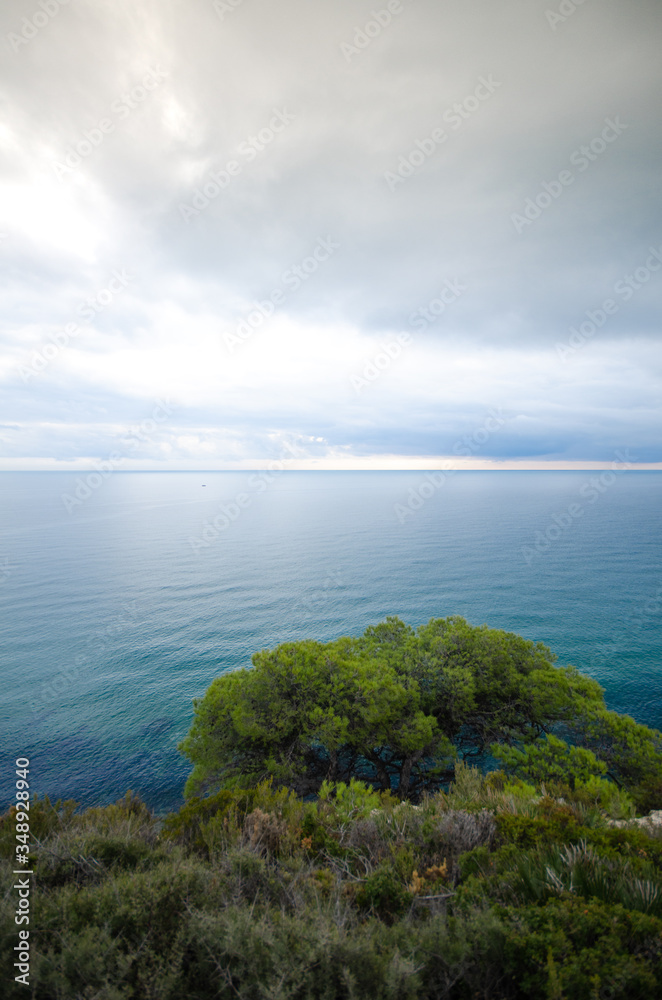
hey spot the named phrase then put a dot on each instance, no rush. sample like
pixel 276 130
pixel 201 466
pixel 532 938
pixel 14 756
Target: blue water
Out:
pixel 115 614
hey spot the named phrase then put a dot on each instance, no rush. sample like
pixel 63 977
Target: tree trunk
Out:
pixel 405 773
pixel 382 773
pixel 332 773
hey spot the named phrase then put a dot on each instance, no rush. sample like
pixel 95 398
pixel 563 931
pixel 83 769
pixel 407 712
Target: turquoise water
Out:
pixel 119 609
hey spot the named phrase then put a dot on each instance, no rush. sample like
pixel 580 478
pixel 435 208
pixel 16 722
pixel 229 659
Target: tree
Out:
pixel 632 752
pixel 551 759
pixel 396 705
pixel 307 712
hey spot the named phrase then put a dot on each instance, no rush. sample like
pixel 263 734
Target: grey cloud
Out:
pixel 354 119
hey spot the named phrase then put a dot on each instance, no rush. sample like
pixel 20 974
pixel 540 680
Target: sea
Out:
pixel 124 594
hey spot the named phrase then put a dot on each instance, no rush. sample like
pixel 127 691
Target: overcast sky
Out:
pixel 358 233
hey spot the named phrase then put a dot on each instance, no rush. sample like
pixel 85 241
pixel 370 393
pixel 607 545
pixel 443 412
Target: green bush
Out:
pixel 602 796
pixel 316 832
pixel 45 818
pixel 647 795
pixel 468 786
pixel 384 894
pixel 559 825
pixel 583 949
pixel 349 802
pixel 203 824
pixel 252 925
pixel 493 890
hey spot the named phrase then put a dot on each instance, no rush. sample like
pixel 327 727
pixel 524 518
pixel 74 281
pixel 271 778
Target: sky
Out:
pixel 330 234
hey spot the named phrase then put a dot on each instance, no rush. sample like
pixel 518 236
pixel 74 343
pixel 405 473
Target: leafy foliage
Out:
pixel 491 889
pixel 551 759
pixel 396 706
pixel 302 876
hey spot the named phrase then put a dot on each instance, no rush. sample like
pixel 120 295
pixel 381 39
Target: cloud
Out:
pixel 277 136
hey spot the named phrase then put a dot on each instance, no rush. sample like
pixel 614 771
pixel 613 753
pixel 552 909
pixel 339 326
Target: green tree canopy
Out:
pixel 396 705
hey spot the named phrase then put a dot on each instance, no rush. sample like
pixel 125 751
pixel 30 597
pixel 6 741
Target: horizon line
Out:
pixel 88 465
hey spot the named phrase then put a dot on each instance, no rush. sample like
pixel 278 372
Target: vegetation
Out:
pixel 531 882
pixel 397 706
pixel 489 890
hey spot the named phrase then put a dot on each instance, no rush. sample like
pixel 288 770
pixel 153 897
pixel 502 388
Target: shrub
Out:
pixel 647 795
pixel 584 949
pixel 45 818
pixel 495 781
pixel 462 831
pixel 368 837
pixel 349 802
pixel 468 785
pixel 557 824
pixel 521 791
pixel 264 831
pixel 384 894
pixel 128 815
pixel 201 824
pixel 316 831
pixel 603 795
pixel 75 857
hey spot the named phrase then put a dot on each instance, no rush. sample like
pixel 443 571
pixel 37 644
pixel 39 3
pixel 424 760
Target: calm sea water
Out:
pixel 118 611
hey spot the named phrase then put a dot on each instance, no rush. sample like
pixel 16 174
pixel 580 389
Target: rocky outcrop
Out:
pixel 651 822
